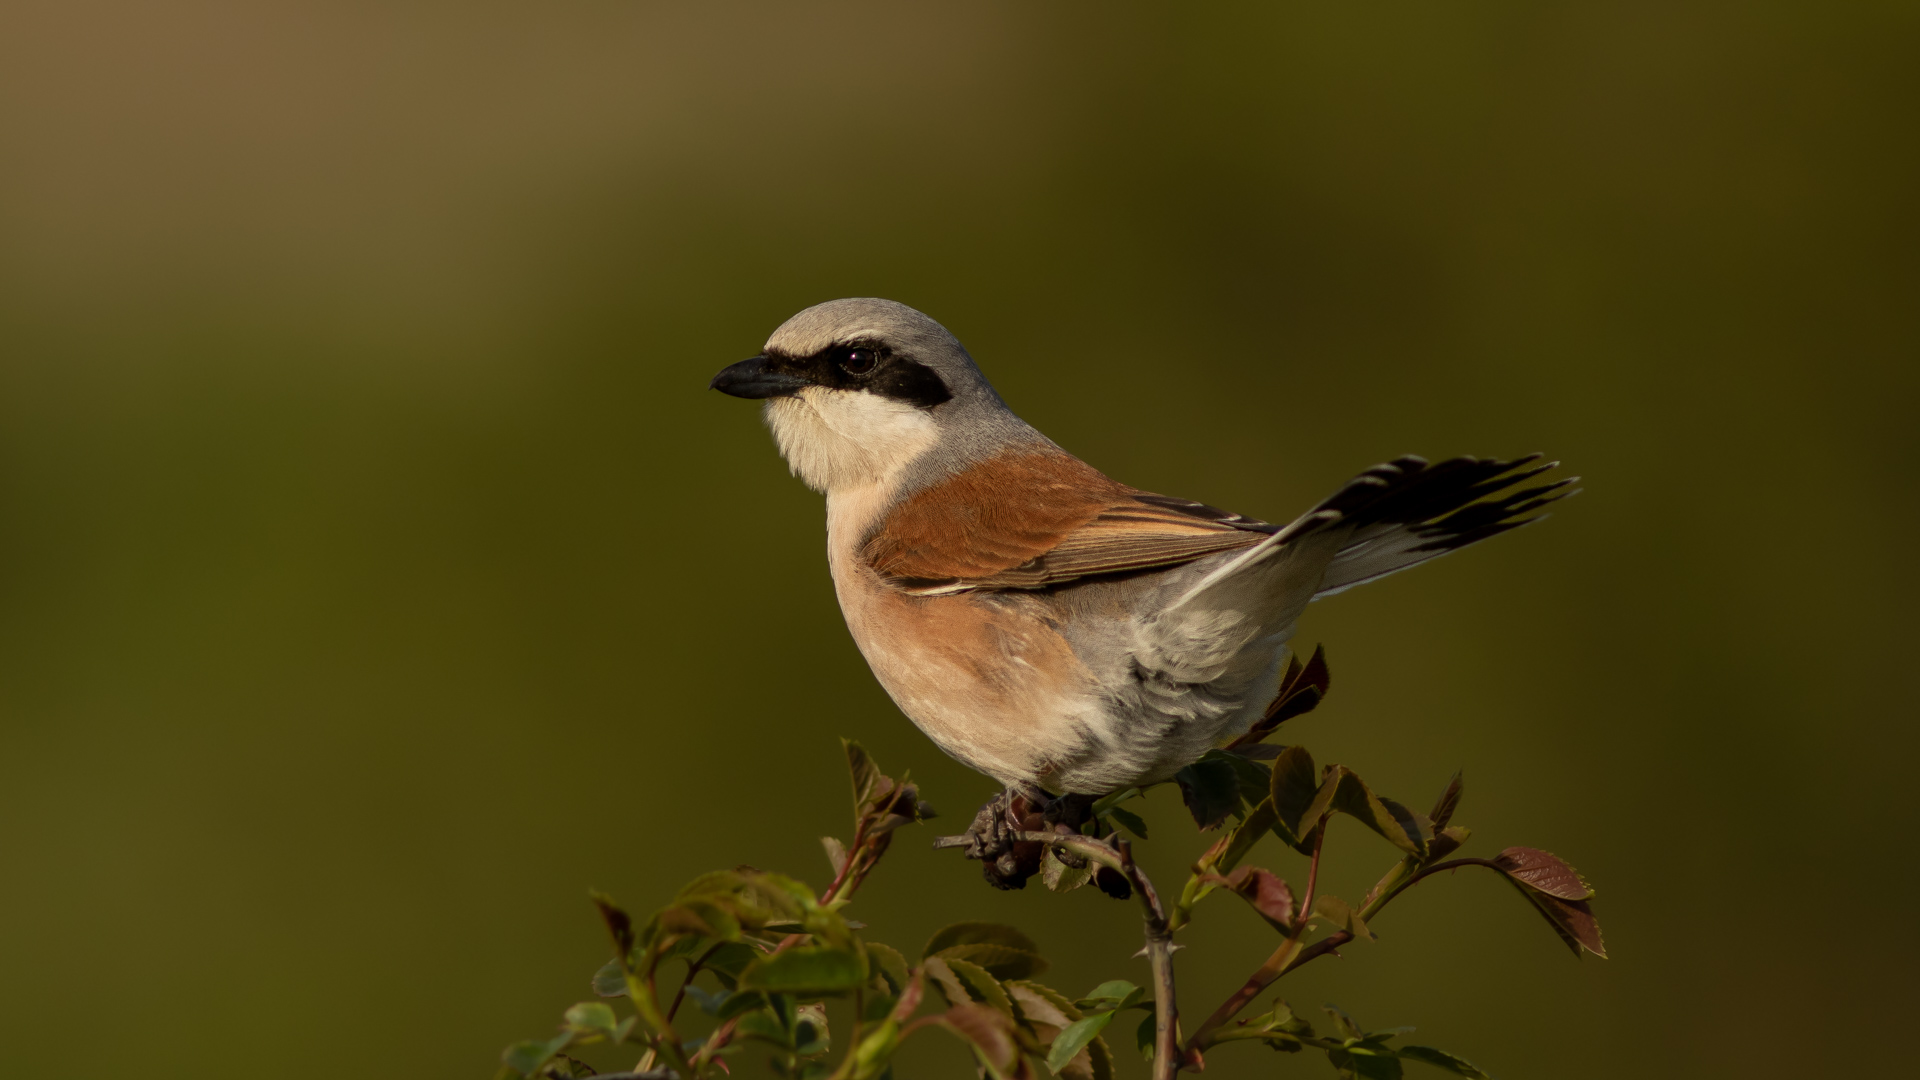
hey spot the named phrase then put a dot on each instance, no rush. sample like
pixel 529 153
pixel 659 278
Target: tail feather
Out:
pixel 1406 512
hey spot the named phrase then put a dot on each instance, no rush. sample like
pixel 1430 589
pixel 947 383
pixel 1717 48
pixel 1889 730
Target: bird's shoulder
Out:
pixel 1032 518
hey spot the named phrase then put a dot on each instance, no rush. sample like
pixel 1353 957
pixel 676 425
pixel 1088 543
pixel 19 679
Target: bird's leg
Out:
pixel 1007 862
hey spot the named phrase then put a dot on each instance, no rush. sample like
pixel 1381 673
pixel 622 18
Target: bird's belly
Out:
pixel 992 686
pixel 993 681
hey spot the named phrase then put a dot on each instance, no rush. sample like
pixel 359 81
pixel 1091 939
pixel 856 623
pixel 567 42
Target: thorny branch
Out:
pixel 711 912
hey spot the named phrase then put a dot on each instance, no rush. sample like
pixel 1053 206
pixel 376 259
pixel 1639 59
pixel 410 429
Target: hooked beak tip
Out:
pixel 755 378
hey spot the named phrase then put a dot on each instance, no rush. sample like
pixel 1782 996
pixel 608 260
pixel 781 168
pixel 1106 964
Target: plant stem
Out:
pixel 1332 942
pixel 693 968
pixel 1167 1056
pixel 1282 959
pixel 854 852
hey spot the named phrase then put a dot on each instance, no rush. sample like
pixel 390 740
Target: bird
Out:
pixel 1061 632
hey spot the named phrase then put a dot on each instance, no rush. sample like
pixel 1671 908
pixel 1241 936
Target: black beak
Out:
pixel 755 378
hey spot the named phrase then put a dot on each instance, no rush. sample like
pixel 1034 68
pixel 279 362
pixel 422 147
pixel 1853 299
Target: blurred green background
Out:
pixel 377 573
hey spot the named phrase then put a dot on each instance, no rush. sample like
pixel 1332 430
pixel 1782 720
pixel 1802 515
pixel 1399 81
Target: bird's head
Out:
pixel 858 389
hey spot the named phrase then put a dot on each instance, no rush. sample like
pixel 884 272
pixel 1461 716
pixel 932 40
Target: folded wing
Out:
pixel 1028 521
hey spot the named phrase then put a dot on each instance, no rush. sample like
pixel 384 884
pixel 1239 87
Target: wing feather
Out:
pixel 1033 520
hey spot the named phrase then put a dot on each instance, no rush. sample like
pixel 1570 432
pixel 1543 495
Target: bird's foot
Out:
pixel 993 838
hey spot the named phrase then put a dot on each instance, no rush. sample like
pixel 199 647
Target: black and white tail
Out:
pixel 1406 511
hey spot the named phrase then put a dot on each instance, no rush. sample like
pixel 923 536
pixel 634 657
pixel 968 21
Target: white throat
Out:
pixel 837 441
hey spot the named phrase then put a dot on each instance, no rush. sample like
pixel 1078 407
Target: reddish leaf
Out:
pixel 1268 894
pixel 1544 872
pixel 1301 690
pixel 1572 919
pixel 619 924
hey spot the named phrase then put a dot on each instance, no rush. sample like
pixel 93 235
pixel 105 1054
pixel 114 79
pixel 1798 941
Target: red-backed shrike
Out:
pixel 1050 627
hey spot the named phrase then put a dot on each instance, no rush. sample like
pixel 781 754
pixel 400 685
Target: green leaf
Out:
pixel 980 984
pixel 1281 1018
pixel 1342 915
pixel 978 933
pixel 685 949
pixel 1342 1023
pixel 1441 1059
pixel 877 1008
pixel 1296 783
pixel 713 883
pixel 1105 804
pixel 1113 996
pixel 610 981
pixel 730 959
pixel 1396 823
pixel 1039 1003
pixel 1211 791
pixel 1060 877
pixel 1074 1038
pixel 1254 778
pixel 765 1026
pixel 740 1003
pixel 887 961
pixel 1144 1036
pixel 1004 961
pixel 1364 1064
pixel 1046 1012
pixel 717 916
pixel 1282 1042
pixel 1259 821
pixel 526 1057
pixel 836 853
pixel 592 1018
pixel 1130 821
pixel 942 978
pixel 806 971
pixel 1343 791
pixel 708 1001
pixel 781 894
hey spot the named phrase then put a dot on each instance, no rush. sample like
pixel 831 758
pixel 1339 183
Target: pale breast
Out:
pixel 986 677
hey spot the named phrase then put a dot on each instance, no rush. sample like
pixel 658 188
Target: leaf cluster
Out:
pixel 759 956
pixel 1355 1054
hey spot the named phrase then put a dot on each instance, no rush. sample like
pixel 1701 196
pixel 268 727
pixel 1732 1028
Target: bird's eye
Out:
pixel 858 361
